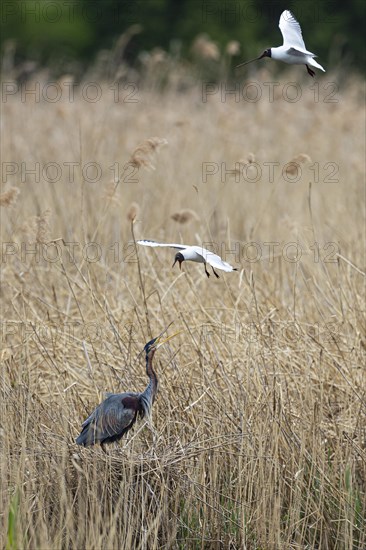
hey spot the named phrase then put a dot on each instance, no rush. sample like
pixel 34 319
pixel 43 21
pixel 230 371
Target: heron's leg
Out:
pixel 152 429
pixel 207 273
pixel 154 435
pixel 310 71
pixel 216 275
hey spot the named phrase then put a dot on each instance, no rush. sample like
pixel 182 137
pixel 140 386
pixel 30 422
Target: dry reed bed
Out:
pixel 258 438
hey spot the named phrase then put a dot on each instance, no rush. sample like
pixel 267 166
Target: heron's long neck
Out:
pixel 150 392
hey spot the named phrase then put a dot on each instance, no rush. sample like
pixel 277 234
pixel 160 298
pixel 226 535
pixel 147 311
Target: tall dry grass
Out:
pixel 258 437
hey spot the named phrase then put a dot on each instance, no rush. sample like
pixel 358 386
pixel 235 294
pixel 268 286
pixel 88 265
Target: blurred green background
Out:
pixel 67 35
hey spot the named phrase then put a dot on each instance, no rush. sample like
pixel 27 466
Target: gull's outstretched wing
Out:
pixel 213 259
pixel 154 243
pixel 291 32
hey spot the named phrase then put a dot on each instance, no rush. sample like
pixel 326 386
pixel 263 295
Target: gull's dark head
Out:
pixel 266 53
pixel 178 258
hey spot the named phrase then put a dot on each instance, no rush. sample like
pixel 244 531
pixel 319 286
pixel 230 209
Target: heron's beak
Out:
pixel 251 61
pixel 169 338
pixel 160 342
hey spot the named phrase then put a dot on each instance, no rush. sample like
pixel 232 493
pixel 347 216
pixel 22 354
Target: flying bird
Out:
pixel 194 254
pixel 293 50
pixel 118 412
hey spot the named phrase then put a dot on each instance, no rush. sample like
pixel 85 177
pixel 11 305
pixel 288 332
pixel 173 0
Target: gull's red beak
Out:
pixel 264 54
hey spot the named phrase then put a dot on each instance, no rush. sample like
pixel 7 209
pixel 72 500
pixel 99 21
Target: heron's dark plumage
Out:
pixel 118 412
pixel 111 419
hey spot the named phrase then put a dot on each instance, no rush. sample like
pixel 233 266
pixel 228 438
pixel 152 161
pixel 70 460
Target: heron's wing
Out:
pixel 108 397
pixel 291 32
pixel 126 394
pixel 110 419
pixel 213 259
pixel 154 243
